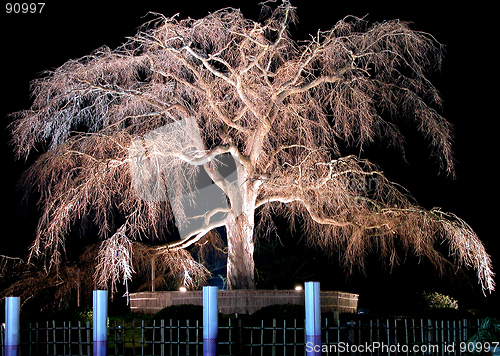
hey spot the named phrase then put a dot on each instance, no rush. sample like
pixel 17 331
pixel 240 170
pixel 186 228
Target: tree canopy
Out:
pixel 284 111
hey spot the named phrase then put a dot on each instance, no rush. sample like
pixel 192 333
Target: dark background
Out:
pixel 468 82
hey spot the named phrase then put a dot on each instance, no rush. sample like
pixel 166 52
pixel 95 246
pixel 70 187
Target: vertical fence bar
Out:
pixel 134 343
pixel 261 343
pixel 188 341
pixel 79 330
pixel 87 324
pixel 54 344
pixel 67 341
pixel 143 336
pixel 210 321
pixel 170 336
pixel 407 338
pixel 100 317
pixel 30 335
pixel 162 337
pixel 313 318
pixel 12 309
pixel 198 337
pixel 274 338
pixel 284 336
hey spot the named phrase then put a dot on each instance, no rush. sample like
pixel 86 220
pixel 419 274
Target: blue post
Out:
pixel 210 321
pixel 100 318
pixel 313 318
pixel 12 308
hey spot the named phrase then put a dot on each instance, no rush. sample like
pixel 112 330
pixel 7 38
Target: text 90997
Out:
pixel 24 8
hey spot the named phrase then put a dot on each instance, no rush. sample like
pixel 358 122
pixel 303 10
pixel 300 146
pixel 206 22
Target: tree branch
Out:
pixel 195 236
pixel 310 210
pixel 307 86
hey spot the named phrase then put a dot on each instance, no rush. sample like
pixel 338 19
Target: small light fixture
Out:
pixel 298 288
pixel 183 289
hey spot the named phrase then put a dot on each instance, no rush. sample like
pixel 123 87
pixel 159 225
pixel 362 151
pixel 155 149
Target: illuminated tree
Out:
pixel 283 111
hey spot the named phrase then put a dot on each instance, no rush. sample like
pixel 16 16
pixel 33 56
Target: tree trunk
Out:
pixel 240 246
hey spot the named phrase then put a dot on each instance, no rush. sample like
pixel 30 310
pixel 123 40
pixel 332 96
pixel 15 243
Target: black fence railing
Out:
pixel 56 338
pixel 243 337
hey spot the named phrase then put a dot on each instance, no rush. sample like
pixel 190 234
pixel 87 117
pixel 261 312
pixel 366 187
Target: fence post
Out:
pixel 210 321
pixel 100 318
pixel 12 308
pixel 313 318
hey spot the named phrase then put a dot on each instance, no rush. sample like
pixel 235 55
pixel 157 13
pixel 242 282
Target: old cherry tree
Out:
pixel 283 110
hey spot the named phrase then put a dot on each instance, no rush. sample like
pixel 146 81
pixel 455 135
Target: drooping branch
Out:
pixel 114 260
pixel 350 204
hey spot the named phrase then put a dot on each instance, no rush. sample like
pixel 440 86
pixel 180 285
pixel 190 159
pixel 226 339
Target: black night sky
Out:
pixel 32 43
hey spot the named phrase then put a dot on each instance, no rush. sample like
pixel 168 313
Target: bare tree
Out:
pixel 43 290
pixel 71 282
pixel 282 110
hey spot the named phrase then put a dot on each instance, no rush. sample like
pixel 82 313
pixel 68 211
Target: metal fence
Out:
pixel 242 337
pixel 56 338
pixel 399 337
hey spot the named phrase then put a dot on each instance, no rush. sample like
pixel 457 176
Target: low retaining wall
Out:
pixel 241 301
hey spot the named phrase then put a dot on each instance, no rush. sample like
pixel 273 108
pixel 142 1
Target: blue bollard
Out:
pixel 313 318
pixel 100 318
pixel 12 308
pixel 210 321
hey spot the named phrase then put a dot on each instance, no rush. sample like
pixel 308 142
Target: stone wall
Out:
pixel 241 301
